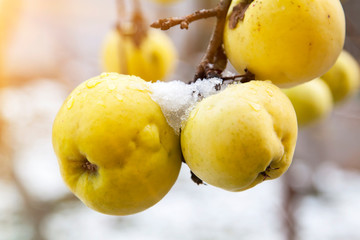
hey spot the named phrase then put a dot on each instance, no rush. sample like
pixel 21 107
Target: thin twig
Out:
pixel 137 28
pixel 243 78
pixel 167 23
pixel 141 28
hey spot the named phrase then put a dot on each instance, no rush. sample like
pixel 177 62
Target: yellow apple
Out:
pixel 344 77
pixel 115 149
pixel 289 42
pixel 311 100
pixel 154 59
pixel 241 136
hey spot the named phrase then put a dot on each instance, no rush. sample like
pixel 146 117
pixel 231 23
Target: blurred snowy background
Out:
pixel 49 47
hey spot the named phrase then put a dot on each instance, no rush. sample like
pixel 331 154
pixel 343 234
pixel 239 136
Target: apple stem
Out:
pixel 242 78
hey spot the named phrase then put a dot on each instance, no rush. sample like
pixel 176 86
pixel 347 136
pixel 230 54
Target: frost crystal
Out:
pixel 177 99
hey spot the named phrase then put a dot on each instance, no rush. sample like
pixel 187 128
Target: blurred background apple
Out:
pixel 343 78
pixel 312 101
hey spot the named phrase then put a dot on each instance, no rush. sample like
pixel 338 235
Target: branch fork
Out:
pixel 214 61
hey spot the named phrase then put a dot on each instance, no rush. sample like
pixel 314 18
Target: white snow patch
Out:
pixel 177 99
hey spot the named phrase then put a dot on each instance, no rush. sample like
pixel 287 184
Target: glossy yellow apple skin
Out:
pixel 289 42
pixel 241 136
pixel 111 122
pixel 153 60
pixel 311 100
pixel 344 77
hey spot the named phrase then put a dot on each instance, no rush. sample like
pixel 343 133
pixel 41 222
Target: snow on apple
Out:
pixel 176 98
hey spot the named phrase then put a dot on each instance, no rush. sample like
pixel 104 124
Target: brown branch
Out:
pixel 167 23
pixel 290 197
pixel 206 65
pixel 214 61
pixel 139 28
pixel 35 211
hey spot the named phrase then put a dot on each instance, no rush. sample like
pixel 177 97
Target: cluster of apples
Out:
pixel 119 155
